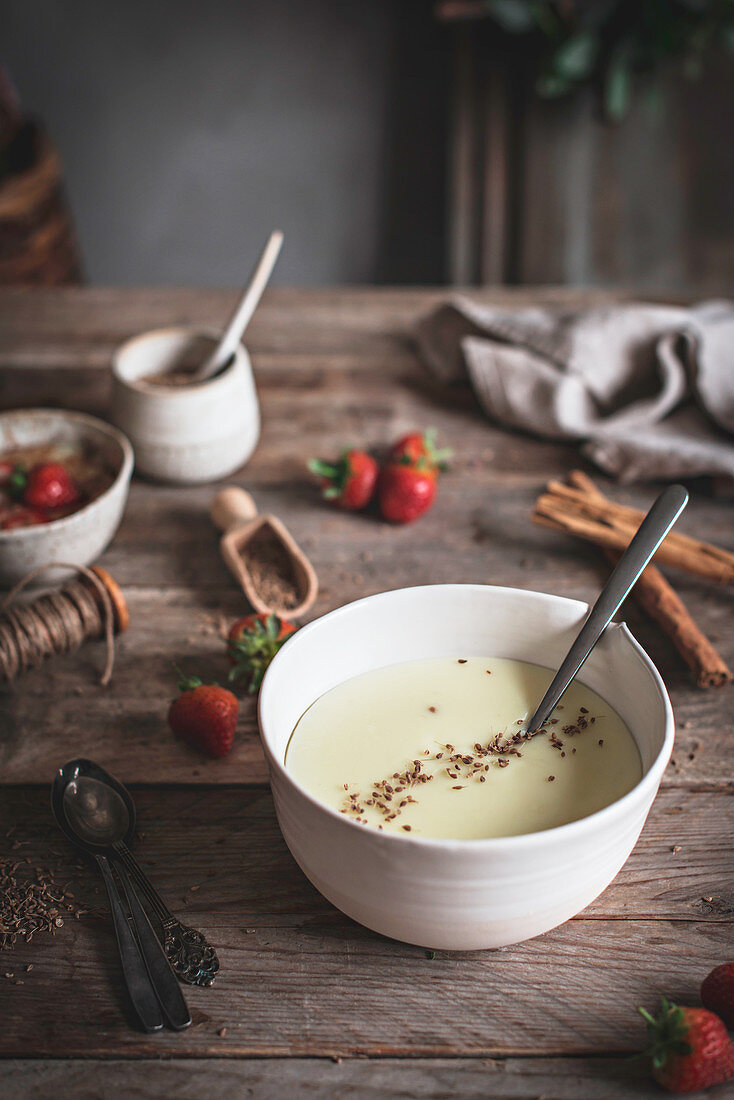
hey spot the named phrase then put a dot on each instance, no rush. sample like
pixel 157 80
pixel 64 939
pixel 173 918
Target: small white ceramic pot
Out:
pixel 184 434
pixel 463 894
pixel 80 538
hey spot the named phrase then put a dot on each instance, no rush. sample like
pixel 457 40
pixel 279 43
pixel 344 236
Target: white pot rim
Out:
pixel 175 393
pixel 643 791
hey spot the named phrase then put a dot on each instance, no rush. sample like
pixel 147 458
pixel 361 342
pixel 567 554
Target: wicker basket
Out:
pixel 37 240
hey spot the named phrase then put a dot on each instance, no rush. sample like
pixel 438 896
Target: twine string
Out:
pixel 55 623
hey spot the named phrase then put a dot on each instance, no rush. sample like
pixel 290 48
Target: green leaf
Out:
pixel 618 86
pixel 655 103
pixel 574 60
pixel 17 483
pixel 515 16
pixel 552 86
pixel 546 19
pixel 322 469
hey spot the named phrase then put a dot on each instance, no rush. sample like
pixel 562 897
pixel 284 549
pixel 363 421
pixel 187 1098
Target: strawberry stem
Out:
pixel 186 683
pixel 667 1032
pixel 322 469
pixel 17 483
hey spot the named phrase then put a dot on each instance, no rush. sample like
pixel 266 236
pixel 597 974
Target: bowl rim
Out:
pixel 646 786
pixel 152 389
pixel 123 474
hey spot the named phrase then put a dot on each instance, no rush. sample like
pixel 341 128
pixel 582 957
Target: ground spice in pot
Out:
pixel 271 569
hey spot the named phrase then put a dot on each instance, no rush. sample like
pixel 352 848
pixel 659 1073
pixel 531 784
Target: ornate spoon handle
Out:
pixel 190 954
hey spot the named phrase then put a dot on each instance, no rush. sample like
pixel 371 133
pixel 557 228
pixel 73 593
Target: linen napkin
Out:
pixel 648 388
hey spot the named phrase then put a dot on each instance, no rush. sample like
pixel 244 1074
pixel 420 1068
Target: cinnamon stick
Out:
pixel 662 603
pixel 613 525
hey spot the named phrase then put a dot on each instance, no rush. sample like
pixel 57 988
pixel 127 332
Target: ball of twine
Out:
pixel 56 622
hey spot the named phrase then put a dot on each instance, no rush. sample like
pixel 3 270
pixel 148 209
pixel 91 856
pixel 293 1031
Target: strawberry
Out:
pixel 252 643
pixel 690 1048
pixel 420 448
pixel 204 715
pixel 405 492
pixel 717 993
pixel 50 485
pixel 19 515
pixel 350 481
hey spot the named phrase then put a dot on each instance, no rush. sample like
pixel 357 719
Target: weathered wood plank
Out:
pixel 268 1079
pixel 326 988
pixel 69 327
pixel 299 978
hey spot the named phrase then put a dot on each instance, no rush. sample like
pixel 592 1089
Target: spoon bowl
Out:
pixel 92 809
pixel 95 812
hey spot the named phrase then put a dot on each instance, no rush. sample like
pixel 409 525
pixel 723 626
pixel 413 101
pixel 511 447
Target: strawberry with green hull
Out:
pixel 717 993
pixel 419 449
pixel 405 491
pixel 350 481
pixel 252 643
pixel 205 716
pixel 690 1048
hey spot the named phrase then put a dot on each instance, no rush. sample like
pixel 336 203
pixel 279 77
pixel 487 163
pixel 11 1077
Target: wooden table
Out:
pixel 307 1000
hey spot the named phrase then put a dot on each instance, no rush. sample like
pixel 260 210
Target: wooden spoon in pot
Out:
pixel 244 310
pixel 259 548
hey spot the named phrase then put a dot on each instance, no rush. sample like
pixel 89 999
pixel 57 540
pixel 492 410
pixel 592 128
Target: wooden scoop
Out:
pixel 235 512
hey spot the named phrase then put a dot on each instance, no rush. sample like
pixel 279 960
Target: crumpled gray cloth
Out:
pixel 650 389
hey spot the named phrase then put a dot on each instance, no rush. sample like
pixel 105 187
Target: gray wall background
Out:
pixel 190 129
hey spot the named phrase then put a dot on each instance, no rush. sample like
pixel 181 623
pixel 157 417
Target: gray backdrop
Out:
pixel 189 129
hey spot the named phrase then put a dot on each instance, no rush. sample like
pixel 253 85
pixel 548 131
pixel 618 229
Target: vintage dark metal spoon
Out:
pixel 136 976
pixel 98 818
pixel 190 954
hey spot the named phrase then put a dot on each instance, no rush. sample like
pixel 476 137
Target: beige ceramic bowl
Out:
pixel 80 538
pixel 188 434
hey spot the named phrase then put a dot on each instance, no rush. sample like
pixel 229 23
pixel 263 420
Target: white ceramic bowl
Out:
pixel 80 538
pixel 189 434
pixel 464 894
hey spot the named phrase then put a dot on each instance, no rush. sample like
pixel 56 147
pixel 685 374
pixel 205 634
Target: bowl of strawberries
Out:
pixel 64 479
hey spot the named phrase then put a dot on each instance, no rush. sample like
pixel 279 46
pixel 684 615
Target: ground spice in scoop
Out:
pixel 271 569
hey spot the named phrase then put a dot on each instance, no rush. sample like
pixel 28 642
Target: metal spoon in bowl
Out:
pixel 242 315
pixel 651 532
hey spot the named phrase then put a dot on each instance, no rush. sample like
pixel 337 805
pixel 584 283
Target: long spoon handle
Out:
pixel 163 979
pixel 192 957
pixel 143 883
pixel 244 310
pixel 649 535
pixel 138 984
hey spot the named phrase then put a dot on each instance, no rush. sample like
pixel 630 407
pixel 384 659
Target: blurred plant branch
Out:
pixel 606 44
